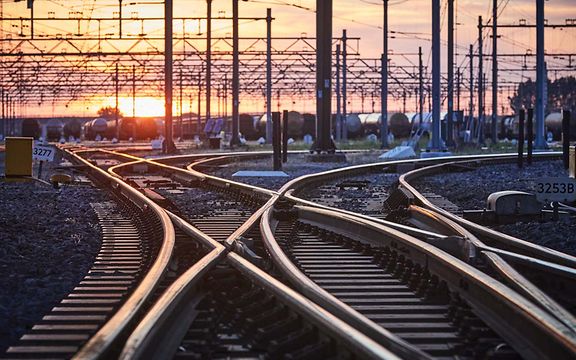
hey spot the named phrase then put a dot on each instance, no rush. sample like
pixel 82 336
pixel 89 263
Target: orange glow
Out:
pixel 145 106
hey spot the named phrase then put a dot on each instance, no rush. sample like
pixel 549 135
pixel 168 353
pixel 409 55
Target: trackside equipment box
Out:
pixel 573 161
pixel 19 156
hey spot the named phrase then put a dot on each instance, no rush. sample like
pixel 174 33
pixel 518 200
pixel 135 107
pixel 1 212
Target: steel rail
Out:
pixel 507 241
pixel 534 333
pixel 495 258
pixel 144 341
pixel 291 189
pixel 99 345
pixel 268 206
pixel 159 332
pixel 299 183
pixel 351 337
pixel 321 297
pixel 311 290
pixel 419 233
pixel 549 304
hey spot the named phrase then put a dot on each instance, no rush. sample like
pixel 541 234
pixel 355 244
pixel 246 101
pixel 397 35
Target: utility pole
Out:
pixel 338 97
pixel 116 108
pixel 480 83
pixel 180 123
pixel 404 101
pixel 458 83
pixel 235 76
pixel 30 5
pixel 436 86
pixel 133 91
pixel 541 80
pixel 494 71
pixel 198 117
pixel 268 76
pixel 420 87
pixel 168 57
pixel 344 86
pixel 450 120
pixel 384 88
pixel 471 110
pixel 208 57
pixel 323 143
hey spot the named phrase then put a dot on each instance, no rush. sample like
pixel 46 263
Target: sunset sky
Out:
pixel 410 22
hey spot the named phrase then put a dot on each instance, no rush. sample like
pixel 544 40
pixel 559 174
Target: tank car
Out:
pixel 398 124
pixel 354 125
pixel 248 126
pixel 31 128
pixel 309 125
pixel 54 129
pixel 295 124
pixel 133 128
pixel 72 128
pixel 553 123
pixel 94 128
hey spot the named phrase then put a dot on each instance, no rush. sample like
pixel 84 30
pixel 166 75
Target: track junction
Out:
pixel 252 272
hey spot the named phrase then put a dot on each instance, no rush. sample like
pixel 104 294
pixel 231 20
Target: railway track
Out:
pixel 377 291
pixel 312 337
pixel 138 240
pixel 445 342
pixel 308 252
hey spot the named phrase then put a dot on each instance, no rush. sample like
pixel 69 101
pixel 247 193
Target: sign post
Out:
pixel 43 153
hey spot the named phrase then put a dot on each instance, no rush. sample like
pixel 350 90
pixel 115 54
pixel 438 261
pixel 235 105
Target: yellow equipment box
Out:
pixel 573 162
pixel 19 156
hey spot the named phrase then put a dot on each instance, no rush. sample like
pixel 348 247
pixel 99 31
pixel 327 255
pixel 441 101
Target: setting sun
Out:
pixel 145 106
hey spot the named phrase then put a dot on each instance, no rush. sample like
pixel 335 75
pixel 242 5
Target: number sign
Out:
pixel 43 153
pixel 556 189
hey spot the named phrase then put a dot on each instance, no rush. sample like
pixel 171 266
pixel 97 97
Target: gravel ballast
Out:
pixel 48 241
pixel 469 191
pixel 297 165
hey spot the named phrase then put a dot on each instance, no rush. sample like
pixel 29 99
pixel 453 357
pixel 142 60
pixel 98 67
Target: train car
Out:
pixel 30 128
pixel 398 124
pixel 295 124
pixel 552 123
pixel 95 128
pixel 354 126
pixel 426 124
pixel 72 128
pixel 54 130
pixel 248 127
pixel 159 122
pixel 309 125
pixel 133 128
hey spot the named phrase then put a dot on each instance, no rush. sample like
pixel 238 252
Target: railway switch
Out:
pixel 513 203
pixel 505 207
pixel 19 156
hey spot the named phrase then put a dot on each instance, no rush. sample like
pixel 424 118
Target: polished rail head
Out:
pixel 156 336
pixel 99 345
pixel 534 333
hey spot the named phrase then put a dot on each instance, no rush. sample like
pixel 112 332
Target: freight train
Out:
pixel 360 125
pixel 552 124
pixel 52 129
pixel 128 128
